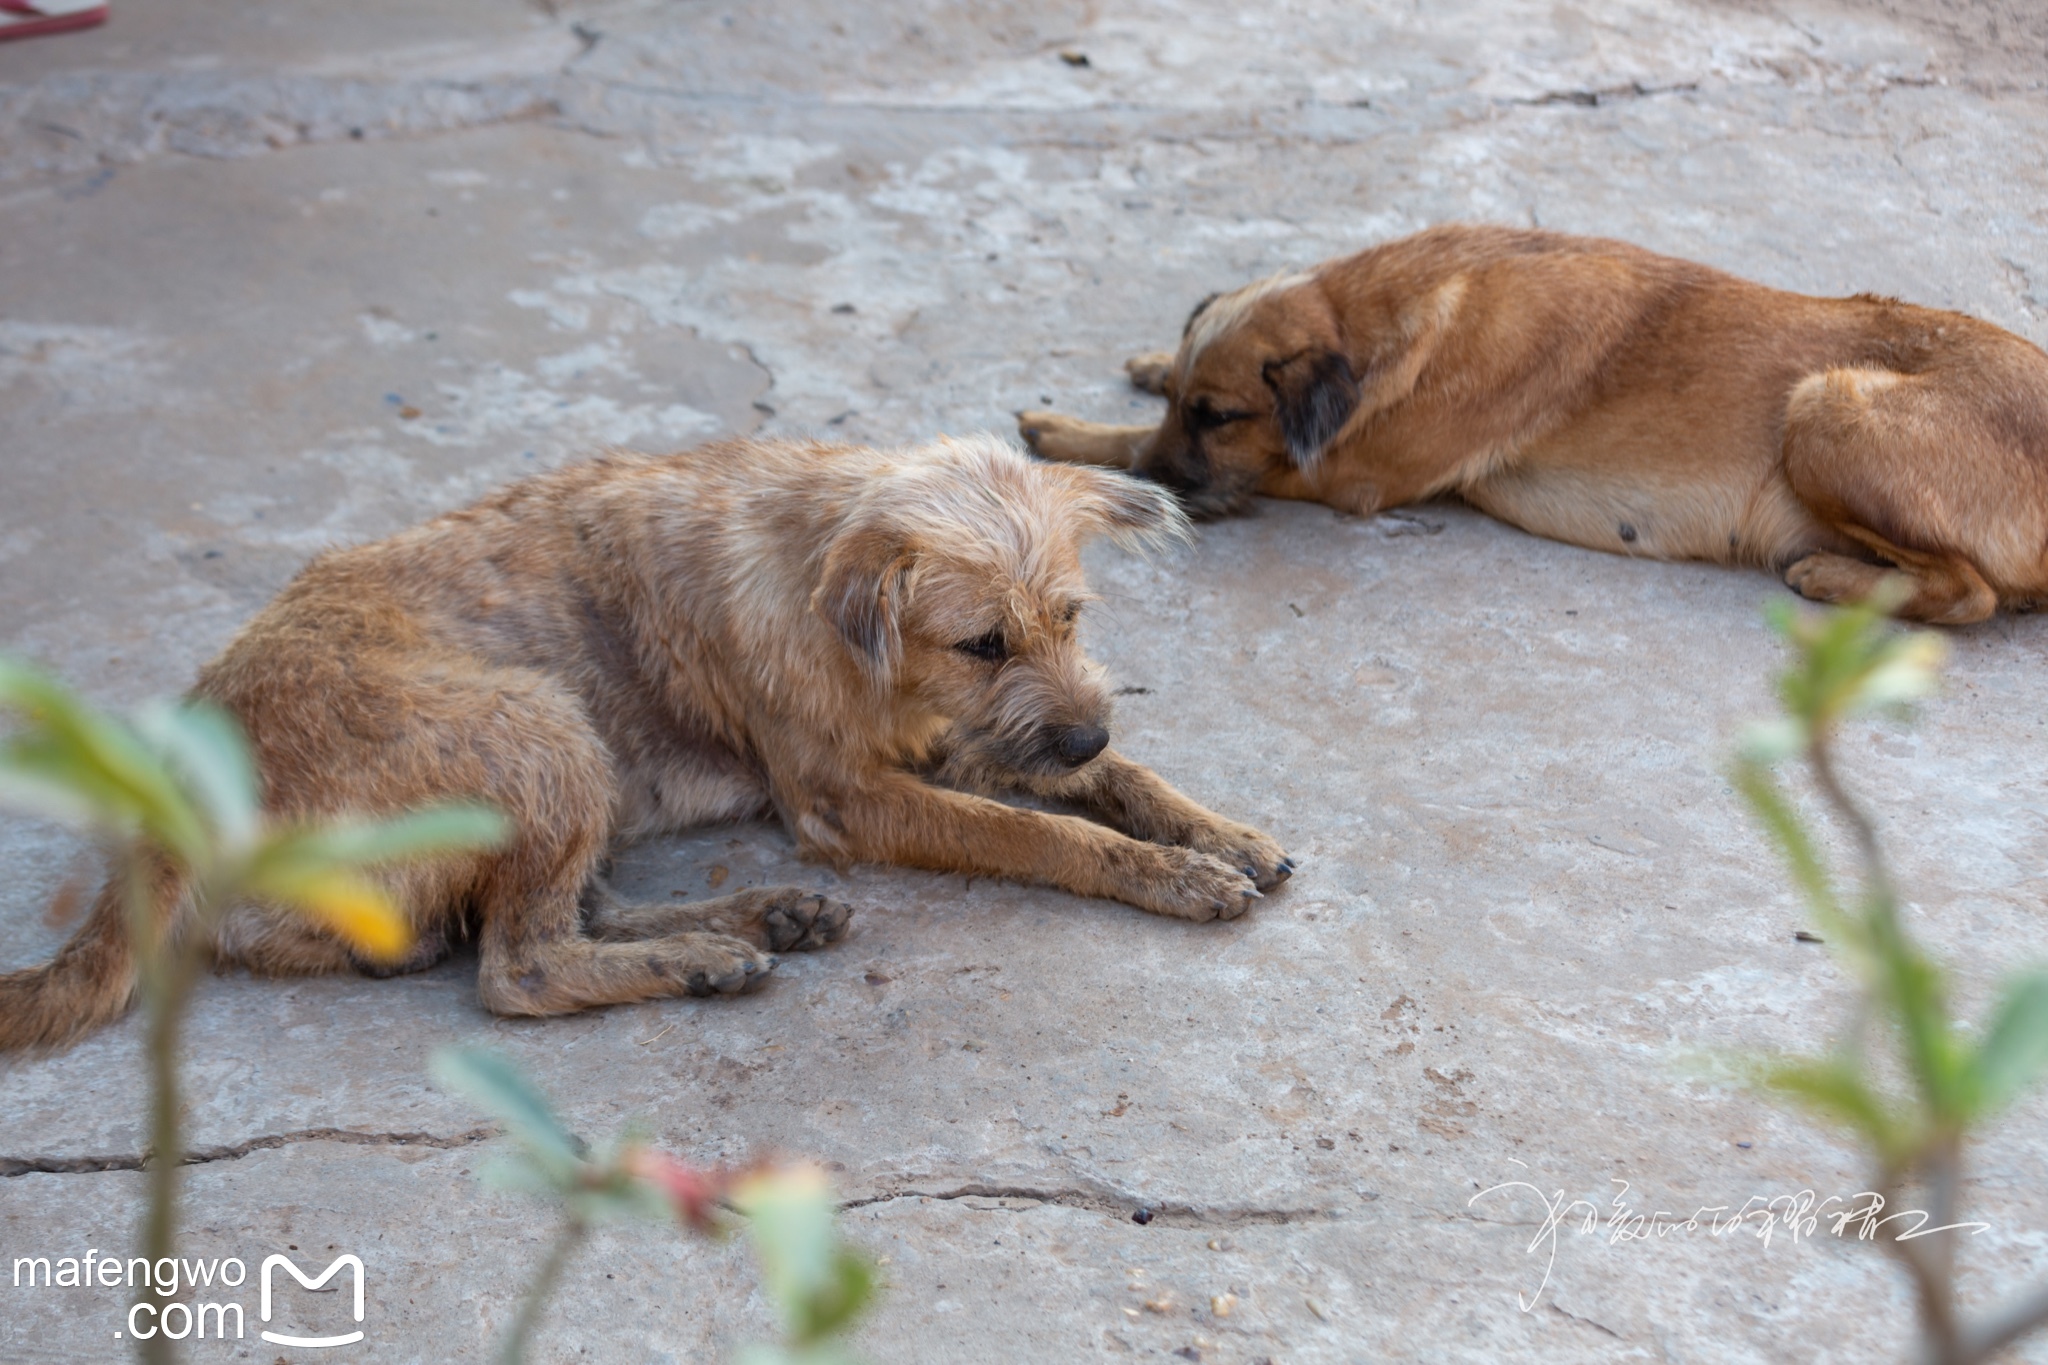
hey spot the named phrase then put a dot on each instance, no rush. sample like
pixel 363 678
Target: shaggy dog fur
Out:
pixel 1596 393
pixel 848 637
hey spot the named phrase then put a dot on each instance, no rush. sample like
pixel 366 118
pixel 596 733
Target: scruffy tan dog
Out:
pixel 1594 392
pixel 639 644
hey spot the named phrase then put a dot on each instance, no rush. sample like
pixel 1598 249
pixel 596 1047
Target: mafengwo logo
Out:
pixel 204 1313
pixel 346 1261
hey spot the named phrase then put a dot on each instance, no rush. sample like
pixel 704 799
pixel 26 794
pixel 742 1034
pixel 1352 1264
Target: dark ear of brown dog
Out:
pixel 1129 511
pixel 862 590
pixel 1315 392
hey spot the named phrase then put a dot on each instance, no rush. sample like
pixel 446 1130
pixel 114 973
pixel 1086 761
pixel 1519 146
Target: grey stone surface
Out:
pixel 243 240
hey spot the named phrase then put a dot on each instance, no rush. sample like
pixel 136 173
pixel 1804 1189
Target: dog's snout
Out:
pixel 1077 744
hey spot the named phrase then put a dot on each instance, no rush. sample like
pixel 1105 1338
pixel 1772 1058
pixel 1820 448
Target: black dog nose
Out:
pixel 1080 743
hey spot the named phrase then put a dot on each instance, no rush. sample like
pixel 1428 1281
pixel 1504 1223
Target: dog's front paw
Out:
pixel 1039 427
pixel 1148 372
pixel 718 964
pixel 1196 886
pixel 1259 856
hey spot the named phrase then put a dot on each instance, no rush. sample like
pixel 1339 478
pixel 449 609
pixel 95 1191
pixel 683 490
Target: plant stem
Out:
pixel 2006 1326
pixel 166 981
pixel 1877 880
pixel 542 1288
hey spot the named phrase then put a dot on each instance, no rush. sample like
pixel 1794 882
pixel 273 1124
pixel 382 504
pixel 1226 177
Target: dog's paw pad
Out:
pixel 806 922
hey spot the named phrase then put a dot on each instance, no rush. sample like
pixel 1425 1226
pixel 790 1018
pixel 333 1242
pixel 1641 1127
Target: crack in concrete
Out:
pixel 1114 1204
pixel 761 403
pixel 200 1156
pixel 121 118
pixel 1607 94
pixel 1589 1322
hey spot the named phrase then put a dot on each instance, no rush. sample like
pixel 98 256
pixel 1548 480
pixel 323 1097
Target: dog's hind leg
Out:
pixel 524 744
pixel 782 919
pixel 1914 468
pixel 557 785
pixel 1054 436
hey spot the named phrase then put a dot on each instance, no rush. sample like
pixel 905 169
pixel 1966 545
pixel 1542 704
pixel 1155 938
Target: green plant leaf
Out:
pixel 1788 831
pixel 1836 1089
pixel 23 788
pixel 457 827
pixel 790 1221
pixel 1771 741
pixel 834 1306
pixel 204 747
pixel 497 1087
pixel 2015 1048
pixel 67 743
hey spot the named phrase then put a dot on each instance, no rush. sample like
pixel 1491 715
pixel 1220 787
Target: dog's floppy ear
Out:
pixel 862 590
pixel 1315 392
pixel 1132 512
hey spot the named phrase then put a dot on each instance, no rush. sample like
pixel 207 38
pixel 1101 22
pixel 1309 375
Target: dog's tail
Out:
pixel 89 982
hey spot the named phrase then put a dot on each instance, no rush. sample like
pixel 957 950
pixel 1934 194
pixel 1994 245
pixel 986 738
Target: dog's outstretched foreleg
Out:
pixel 1136 800
pixel 905 821
pixel 1055 436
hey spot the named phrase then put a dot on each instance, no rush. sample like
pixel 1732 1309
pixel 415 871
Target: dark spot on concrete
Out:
pixel 1142 1217
pixel 1072 58
pixel 843 308
pixel 1628 533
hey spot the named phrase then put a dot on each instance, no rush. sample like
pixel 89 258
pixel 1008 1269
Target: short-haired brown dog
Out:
pixel 640 644
pixel 1597 393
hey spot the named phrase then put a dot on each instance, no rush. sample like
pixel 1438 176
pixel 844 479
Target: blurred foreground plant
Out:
pixel 1848 663
pixel 818 1285
pixel 176 786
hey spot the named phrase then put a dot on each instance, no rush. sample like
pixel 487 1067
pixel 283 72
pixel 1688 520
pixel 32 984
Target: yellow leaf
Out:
pixel 357 910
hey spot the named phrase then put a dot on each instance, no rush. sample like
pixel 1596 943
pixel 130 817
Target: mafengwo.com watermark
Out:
pixel 198 1299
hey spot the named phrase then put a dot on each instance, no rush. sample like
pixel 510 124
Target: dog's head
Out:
pixel 956 585
pixel 1261 384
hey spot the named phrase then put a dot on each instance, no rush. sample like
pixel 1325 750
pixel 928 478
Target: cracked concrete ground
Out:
pixel 281 275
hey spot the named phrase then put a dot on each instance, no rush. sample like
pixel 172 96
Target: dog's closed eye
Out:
pixel 1203 415
pixel 991 648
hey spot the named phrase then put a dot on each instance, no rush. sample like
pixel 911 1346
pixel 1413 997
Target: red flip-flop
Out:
pixel 34 18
